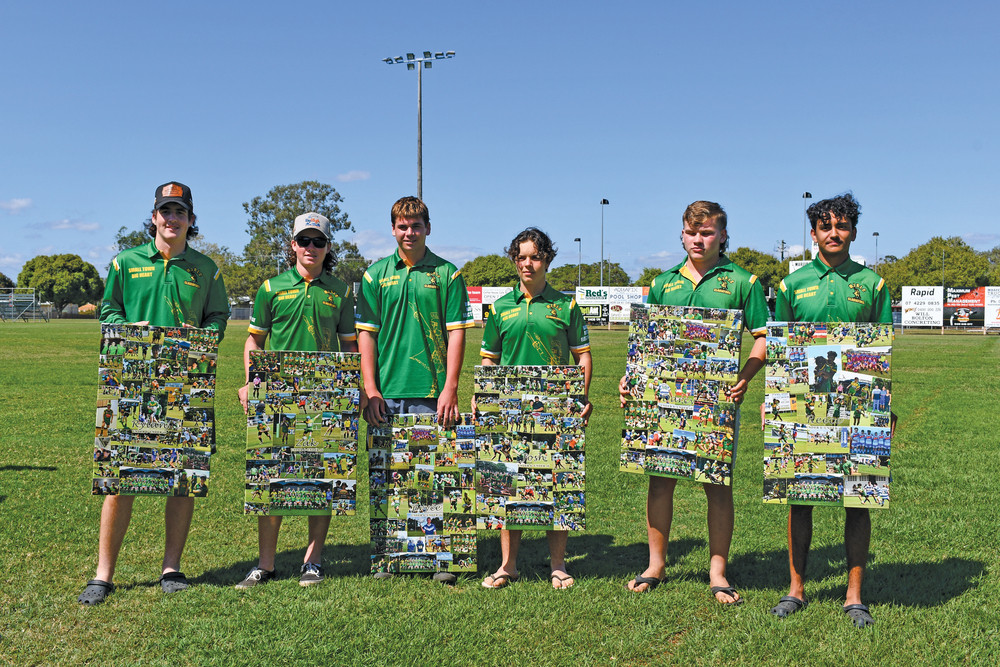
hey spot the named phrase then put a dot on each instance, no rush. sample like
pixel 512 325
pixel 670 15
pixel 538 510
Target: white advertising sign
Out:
pixel 992 319
pixel 923 306
pixel 620 300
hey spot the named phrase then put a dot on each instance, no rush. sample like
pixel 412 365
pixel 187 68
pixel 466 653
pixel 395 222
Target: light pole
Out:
pixel 806 196
pixel 604 202
pixel 875 234
pixel 413 62
pixel 579 258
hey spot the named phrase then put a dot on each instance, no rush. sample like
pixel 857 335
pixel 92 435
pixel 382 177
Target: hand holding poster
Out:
pixel 155 426
pixel 680 364
pixel 827 425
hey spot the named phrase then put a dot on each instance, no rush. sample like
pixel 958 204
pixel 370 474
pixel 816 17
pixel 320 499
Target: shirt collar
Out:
pixel 400 264
pixel 544 295
pixel 725 264
pixel 844 270
pixel 152 251
pixel 297 278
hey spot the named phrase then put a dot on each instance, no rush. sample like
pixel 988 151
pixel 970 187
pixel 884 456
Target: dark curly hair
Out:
pixel 328 261
pixel 192 232
pixel 543 245
pixel 844 207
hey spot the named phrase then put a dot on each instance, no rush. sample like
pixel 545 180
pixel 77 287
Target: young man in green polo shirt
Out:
pixel 535 326
pixel 832 288
pixel 412 315
pixel 162 283
pixel 306 309
pixel 706 279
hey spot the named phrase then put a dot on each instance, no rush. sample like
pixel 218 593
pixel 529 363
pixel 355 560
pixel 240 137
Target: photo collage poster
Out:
pixel 530 469
pixel 422 497
pixel 302 433
pixel 155 426
pixel 680 364
pixel 827 397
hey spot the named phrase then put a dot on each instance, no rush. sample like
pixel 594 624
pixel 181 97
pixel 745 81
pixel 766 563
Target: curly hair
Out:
pixel 543 245
pixel 192 232
pixel 844 207
pixel 328 261
pixel 701 212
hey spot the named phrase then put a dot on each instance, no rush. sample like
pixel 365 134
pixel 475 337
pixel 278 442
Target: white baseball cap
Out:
pixel 312 221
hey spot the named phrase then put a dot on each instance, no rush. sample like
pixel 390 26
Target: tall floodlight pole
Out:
pixel 875 234
pixel 413 62
pixel 806 196
pixel 579 258
pixel 604 202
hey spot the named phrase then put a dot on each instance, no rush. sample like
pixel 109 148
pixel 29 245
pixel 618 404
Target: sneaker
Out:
pixel 258 575
pixel 312 573
pixel 445 577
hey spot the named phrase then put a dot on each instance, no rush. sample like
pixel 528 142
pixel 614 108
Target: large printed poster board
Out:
pixel 530 471
pixel 302 433
pixel 828 392
pixel 679 422
pixel 422 497
pixel 155 422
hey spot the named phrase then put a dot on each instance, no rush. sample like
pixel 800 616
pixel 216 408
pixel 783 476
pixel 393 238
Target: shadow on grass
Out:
pixel 338 561
pixel 20 468
pixel 922 584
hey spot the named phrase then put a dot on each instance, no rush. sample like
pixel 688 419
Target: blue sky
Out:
pixel 546 108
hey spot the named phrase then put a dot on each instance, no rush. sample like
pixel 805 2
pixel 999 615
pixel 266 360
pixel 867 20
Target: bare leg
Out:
pixel 721 518
pixel 857 538
pixel 557 558
pixel 510 544
pixel 319 526
pixel 659 513
pixel 267 540
pixel 800 528
pixel 177 516
pixel 116 513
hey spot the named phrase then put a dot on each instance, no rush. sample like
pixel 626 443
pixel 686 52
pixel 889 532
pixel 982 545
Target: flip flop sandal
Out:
pixel 173 582
pixel 860 614
pixel 557 576
pixel 731 592
pixel 497 581
pixel 787 606
pixel 96 592
pixel 651 583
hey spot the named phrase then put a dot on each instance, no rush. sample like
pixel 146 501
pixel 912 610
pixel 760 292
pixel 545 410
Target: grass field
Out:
pixel 932 580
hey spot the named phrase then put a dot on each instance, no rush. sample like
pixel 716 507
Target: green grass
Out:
pixel 931 581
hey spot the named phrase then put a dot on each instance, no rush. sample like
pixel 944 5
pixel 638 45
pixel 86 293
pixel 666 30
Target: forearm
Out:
pixel 456 355
pixel 756 360
pixel 587 361
pixel 368 346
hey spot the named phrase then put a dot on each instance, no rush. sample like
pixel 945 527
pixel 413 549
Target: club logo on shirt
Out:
pixel 724 283
pixel 432 281
pixel 857 288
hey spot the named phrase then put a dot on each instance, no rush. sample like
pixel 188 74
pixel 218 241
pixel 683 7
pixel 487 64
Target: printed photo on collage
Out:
pixel 302 433
pixel 155 418
pixel 530 467
pixel 828 393
pixel 680 362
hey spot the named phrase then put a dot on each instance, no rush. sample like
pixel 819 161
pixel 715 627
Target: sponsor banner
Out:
pixel 491 294
pixel 796 264
pixel 475 295
pixel 620 300
pixel 595 314
pixel 992 307
pixel 964 306
pixel 922 306
pixel 591 295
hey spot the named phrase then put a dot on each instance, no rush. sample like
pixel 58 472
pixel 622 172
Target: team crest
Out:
pixel 554 310
pixel 724 283
pixel 857 289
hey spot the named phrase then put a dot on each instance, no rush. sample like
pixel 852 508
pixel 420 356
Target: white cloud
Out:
pixel 16 260
pixel 354 175
pixel 14 206
pixel 75 225
pixel 982 240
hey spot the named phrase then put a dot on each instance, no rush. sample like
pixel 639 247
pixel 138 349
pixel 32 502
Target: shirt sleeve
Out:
pixel 369 316
pixel 345 327
pixel 579 335
pixel 782 308
pixel 755 309
pixel 458 310
pixel 653 298
pixel 112 306
pixel 216 314
pixel 260 320
pixel 491 346
pixel 882 308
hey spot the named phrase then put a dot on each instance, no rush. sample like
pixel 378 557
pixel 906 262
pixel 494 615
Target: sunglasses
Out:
pixel 306 241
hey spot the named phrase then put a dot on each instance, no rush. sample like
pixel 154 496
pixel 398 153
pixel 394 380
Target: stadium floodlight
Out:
pixel 806 196
pixel 579 258
pixel 413 62
pixel 875 234
pixel 604 202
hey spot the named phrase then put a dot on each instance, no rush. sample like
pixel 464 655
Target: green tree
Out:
pixel 349 264
pixel 6 282
pixel 126 238
pixel 271 218
pixel 993 257
pixel 647 275
pixel 767 268
pixel 963 266
pixel 62 279
pixel 490 271
pixel 563 278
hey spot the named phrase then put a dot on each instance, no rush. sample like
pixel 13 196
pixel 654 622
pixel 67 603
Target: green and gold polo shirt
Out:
pixel 726 285
pixel 411 309
pixel 145 286
pixel 308 316
pixel 846 293
pixel 540 331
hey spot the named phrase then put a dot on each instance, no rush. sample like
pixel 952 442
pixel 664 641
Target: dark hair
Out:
pixel 543 244
pixel 844 207
pixel 328 261
pixel 409 207
pixel 701 212
pixel 192 232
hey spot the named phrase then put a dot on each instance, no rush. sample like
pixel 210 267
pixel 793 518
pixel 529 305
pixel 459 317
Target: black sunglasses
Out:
pixel 305 241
